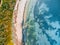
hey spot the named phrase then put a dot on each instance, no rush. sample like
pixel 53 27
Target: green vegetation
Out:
pixel 6 14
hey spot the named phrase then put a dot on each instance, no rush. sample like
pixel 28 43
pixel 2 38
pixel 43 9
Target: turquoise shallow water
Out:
pixel 43 23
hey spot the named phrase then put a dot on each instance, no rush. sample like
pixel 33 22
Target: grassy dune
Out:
pixel 6 14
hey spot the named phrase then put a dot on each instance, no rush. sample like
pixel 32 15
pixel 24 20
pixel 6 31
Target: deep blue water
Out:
pixel 48 14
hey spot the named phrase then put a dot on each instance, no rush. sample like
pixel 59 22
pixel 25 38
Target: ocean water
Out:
pixel 43 23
